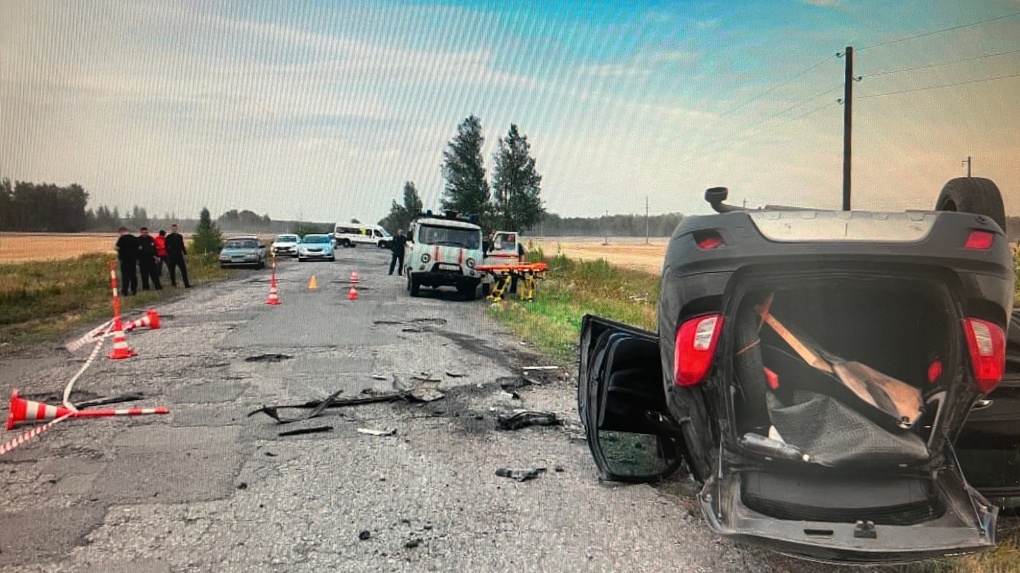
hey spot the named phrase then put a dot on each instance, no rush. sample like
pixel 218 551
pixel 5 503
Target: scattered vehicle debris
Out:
pixel 416 395
pixel 519 474
pixel 302 431
pixel 268 358
pixel 379 377
pixel 454 374
pixel 114 400
pixel 364 535
pixel 527 418
pixel 515 383
pixel 412 543
pixel 372 432
pixel 426 394
pixel 529 368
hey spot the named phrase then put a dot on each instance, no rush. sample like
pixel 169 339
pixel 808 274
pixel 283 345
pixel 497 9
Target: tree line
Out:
pixel 513 200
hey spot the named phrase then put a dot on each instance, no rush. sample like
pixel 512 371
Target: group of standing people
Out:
pixel 150 254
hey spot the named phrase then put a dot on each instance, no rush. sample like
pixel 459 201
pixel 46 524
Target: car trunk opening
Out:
pixel 844 371
pixel 843 394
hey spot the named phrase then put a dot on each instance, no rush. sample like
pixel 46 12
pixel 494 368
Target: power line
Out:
pixel 896 71
pixel 933 32
pixel 977 81
pixel 801 74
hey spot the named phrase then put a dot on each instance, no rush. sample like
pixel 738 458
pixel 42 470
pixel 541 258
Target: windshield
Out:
pixel 316 239
pixel 287 239
pixel 241 244
pixel 450 237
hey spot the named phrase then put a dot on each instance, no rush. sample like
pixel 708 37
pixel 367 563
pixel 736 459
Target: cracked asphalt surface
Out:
pixel 208 488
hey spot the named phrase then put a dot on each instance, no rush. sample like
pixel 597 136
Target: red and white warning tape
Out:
pixel 84 367
pixel 4 448
pixel 88 337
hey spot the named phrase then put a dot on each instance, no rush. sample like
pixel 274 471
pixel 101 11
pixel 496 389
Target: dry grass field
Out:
pixel 25 247
pixel 627 252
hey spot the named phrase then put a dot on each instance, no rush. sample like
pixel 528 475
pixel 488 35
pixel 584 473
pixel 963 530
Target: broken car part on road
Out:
pixel 519 474
pixel 318 406
pixel 527 418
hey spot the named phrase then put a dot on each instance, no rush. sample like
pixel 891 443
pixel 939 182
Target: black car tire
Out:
pixel 973 195
pixel 332 258
pixel 412 285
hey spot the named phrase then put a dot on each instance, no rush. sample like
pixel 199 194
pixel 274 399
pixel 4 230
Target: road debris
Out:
pixel 512 383
pixel 372 432
pixel 268 358
pixel 529 368
pixel 313 430
pixel 114 400
pixel 418 395
pixel 412 543
pixel 379 377
pixel 454 374
pixel 527 418
pixel 520 475
pixel 365 535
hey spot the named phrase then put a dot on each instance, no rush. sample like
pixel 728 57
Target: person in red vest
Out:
pixel 161 253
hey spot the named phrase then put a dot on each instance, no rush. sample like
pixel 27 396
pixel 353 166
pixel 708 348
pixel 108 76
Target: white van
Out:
pixel 354 234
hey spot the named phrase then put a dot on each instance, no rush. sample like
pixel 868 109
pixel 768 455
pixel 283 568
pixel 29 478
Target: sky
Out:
pixel 320 111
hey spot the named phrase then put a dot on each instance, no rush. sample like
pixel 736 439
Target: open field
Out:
pixel 627 252
pixel 24 247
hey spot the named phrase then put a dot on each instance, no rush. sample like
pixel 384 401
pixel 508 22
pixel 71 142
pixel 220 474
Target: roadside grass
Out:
pixel 41 299
pixel 552 323
pixel 571 289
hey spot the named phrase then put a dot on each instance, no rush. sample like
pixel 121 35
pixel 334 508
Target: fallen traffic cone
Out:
pixel 354 277
pixel 120 348
pixel 313 284
pixel 23 410
pixel 352 294
pixel 274 298
pixel 150 321
pixel 122 412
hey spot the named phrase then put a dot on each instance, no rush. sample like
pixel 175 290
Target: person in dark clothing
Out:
pixel 127 253
pixel 397 258
pixel 147 261
pixel 175 253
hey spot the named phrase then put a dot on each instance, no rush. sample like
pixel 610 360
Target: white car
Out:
pixel 315 247
pixel 286 245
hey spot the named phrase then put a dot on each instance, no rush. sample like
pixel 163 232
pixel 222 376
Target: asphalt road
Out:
pixel 208 488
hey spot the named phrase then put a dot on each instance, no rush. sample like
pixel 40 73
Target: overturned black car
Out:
pixel 814 370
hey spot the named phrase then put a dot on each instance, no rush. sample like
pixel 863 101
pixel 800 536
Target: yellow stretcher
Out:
pixel 527 273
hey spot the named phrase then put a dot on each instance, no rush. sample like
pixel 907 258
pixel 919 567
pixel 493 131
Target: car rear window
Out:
pixel 241 244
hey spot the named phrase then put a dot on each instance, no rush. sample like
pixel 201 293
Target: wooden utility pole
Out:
pixel 848 100
pixel 646 220
pixel 967 163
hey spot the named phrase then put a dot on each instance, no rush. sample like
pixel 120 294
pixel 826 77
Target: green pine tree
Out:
pixel 516 184
pixel 467 190
pixel 208 238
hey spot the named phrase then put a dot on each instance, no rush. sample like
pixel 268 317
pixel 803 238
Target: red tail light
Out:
pixel 696 340
pixel 708 240
pixel 979 240
pixel 987 345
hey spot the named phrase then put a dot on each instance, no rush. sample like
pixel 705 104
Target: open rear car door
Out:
pixel 622 405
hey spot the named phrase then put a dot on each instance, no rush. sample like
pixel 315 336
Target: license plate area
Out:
pixel 447 267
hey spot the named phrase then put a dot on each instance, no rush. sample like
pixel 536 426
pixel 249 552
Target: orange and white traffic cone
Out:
pixel 120 347
pixel 150 321
pixel 352 294
pixel 354 277
pixel 313 284
pixel 22 410
pixel 274 297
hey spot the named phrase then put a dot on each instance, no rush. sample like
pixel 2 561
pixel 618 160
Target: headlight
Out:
pixel 425 257
pixel 470 263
